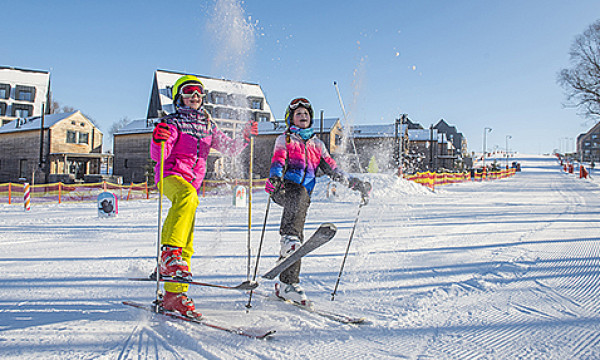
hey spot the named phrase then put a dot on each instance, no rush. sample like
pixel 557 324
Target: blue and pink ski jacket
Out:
pixel 302 158
pixel 193 134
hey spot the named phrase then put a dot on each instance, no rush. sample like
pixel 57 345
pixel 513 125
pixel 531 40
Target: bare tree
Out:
pixel 119 125
pixel 582 80
pixel 55 107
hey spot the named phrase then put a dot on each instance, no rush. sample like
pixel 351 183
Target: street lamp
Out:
pixel 485 131
pixel 507 137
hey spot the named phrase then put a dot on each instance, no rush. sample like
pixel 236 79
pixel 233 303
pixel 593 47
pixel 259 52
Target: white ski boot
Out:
pixel 291 292
pixel 289 244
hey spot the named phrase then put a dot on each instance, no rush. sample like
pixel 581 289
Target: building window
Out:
pixel 262 117
pixel 75 137
pixel 22 110
pixel 83 138
pixel 219 98
pixel 4 91
pixel 125 164
pixel 256 103
pixel 23 171
pixel 338 140
pixel 2 109
pixel 25 93
pixel 71 137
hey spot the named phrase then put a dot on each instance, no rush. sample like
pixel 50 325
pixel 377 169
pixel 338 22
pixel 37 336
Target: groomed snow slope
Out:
pixel 497 270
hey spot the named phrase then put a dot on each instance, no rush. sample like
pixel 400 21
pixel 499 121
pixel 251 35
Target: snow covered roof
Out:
pixel 422 134
pixel 278 127
pixel 369 131
pixel 33 123
pixel 386 131
pixel 264 128
pixel 136 127
pixel 164 81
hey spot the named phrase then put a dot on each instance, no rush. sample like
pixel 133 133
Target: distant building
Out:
pixel 231 104
pixel 456 138
pixel 23 93
pixel 63 147
pixel 588 145
pixel 377 141
pixel 423 149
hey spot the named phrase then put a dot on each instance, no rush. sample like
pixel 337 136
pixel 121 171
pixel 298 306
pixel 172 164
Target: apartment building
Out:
pixel 23 93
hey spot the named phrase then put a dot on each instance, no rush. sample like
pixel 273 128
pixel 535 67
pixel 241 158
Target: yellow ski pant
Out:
pixel 178 228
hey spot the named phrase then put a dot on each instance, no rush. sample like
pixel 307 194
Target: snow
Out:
pixel 496 270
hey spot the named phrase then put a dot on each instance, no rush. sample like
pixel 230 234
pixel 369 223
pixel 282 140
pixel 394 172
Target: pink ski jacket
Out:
pixel 297 160
pixel 193 134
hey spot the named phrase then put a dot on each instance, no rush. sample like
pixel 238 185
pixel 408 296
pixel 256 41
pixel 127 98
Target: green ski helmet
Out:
pixel 184 80
pixel 289 112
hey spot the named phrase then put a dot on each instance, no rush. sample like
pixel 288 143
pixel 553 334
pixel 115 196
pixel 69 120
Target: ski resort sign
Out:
pixel 107 205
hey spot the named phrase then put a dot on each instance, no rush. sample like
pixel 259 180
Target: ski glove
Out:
pixel 161 133
pixel 251 129
pixel 273 184
pixel 364 187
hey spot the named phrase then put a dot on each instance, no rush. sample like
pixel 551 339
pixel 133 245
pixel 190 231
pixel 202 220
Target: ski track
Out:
pixel 507 269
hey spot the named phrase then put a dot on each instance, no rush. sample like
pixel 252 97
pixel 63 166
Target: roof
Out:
pixel 422 134
pixel 21 69
pixel 137 127
pixel 369 131
pixel 33 123
pixel 165 80
pixel 278 127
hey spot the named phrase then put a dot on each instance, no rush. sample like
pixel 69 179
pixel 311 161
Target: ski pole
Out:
pixel 362 203
pixel 262 238
pixel 250 206
pixel 160 196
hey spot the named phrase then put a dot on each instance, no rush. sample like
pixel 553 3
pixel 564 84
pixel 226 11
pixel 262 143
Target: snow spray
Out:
pixel 233 36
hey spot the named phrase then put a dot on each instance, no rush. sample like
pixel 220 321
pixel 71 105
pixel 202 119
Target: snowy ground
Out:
pixel 497 270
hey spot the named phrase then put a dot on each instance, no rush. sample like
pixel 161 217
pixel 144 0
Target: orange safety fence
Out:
pixel 431 179
pixel 12 193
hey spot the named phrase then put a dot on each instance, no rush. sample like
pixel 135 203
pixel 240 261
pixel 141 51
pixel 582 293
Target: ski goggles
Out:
pixel 299 102
pixel 187 91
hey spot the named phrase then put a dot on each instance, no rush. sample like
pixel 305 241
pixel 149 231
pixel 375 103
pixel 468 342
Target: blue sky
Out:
pixel 473 63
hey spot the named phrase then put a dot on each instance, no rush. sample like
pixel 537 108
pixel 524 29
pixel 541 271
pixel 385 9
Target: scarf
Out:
pixel 305 134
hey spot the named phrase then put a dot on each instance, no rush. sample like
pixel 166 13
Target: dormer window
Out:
pixel 256 103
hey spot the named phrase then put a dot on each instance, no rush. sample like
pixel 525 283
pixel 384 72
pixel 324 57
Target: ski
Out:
pixel 338 317
pixel 244 286
pixel 324 233
pixel 254 334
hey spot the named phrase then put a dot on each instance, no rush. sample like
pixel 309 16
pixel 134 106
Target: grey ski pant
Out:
pixel 296 202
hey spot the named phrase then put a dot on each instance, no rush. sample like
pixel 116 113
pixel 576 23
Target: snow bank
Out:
pixel 386 187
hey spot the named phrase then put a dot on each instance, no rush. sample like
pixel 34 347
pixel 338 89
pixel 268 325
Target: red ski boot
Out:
pixel 171 263
pixel 180 303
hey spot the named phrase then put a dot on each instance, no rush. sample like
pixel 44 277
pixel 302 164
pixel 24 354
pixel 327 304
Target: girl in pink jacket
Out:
pixel 189 134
